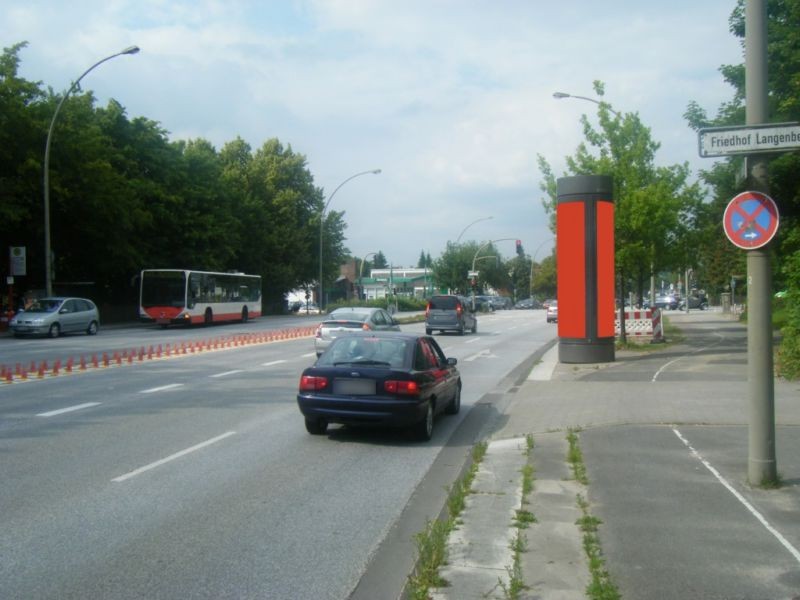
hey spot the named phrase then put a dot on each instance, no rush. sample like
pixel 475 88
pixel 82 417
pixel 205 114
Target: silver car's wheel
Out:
pixel 92 329
pixel 55 330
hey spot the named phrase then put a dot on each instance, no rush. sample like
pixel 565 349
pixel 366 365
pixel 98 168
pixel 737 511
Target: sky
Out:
pixel 452 100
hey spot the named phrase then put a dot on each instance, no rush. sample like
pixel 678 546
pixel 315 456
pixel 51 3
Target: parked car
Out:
pixel 527 304
pixel 349 319
pixel 450 313
pixel 55 315
pixel 552 311
pixel 700 302
pixel 667 302
pixel 309 308
pixel 381 378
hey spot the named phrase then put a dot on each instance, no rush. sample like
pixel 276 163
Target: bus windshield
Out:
pixel 164 288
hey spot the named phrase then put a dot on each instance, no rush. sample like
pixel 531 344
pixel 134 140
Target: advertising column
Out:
pixel 585 261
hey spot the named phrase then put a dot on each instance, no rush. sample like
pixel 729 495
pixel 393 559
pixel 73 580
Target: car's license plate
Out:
pixel 354 387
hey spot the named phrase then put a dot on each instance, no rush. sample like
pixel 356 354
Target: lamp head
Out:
pixel 376 172
pixel 130 50
pixel 560 95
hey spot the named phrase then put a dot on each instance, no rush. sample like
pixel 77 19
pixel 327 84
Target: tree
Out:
pixel 425 260
pixel 654 207
pixel 379 261
pixel 783 81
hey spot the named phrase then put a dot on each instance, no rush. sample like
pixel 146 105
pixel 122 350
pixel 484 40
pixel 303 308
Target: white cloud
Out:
pixel 452 99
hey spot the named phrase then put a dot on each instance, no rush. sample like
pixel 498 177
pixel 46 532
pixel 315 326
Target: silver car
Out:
pixel 349 319
pixel 54 316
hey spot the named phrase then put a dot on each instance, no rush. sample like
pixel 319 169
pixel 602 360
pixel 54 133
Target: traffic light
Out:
pixel 520 251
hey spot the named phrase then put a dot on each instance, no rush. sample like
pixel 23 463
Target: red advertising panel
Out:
pixel 571 260
pixel 605 269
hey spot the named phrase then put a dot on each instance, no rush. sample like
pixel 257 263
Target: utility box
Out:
pixel 585 262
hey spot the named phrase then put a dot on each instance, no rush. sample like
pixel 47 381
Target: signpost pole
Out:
pixel 762 467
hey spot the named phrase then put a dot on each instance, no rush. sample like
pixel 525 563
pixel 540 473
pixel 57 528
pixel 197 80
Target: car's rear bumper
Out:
pixel 354 410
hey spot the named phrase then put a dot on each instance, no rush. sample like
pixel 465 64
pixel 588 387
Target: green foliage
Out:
pixel 722 259
pixel 123 197
pixel 655 207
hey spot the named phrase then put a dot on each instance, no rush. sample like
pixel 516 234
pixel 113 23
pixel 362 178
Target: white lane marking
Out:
pixel 473 340
pixel 309 355
pixel 172 457
pixel 226 373
pixel 721 338
pixel 61 411
pixel 786 544
pixel 171 386
pixel 485 353
pixel 274 362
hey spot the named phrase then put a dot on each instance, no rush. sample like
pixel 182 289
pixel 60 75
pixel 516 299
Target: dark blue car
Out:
pixel 381 378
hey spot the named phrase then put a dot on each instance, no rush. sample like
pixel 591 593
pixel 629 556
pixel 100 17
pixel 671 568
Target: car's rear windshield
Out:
pixel 444 303
pixel 375 351
pixel 347 315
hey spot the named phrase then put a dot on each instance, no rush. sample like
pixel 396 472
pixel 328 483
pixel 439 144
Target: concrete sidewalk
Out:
pixel 665 443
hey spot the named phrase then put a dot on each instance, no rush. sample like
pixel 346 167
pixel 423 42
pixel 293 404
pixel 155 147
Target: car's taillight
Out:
pixel 427 310
pixel 318 333
pixel 403 388
pixel 459 309
pixel 312 383
pixel 366 327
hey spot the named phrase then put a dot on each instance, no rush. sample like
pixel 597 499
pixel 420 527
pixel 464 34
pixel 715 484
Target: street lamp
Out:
pixel 361 271
pixel 470 225
pixel 47 261
pixel 322 222
pixel 560 95
pixel 475 259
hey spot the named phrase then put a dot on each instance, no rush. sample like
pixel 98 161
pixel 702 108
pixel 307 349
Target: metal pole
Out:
pixel 762 467
pixel 322 222
pixel 458 239
pixel 48 267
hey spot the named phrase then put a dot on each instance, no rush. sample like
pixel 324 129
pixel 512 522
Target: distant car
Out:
pixel 380 378
pixel 552 311
pixel 667 302
pixel 527 304
pixel 700 302
pixel 309 308
pixel 349 319
pixel 548 302
pixel 450 313
pixel 56 315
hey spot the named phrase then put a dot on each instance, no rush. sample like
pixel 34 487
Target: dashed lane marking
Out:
pixel 61 411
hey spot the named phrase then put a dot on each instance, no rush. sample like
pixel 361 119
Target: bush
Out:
pixel 404 303
pixel 788 355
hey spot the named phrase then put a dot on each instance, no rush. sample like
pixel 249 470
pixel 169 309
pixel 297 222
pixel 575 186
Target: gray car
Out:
pixel 450 313
pixel 54 316
pixel 349 319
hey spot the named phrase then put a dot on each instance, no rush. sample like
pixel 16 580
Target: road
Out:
pixel 193 476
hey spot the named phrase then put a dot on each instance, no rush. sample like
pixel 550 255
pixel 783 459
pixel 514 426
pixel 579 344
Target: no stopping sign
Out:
pixel 750 220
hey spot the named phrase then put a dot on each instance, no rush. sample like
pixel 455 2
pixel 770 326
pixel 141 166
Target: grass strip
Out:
pixel 601 587
pixel 432 541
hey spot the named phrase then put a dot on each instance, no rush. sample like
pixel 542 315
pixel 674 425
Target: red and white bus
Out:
pixel 182 296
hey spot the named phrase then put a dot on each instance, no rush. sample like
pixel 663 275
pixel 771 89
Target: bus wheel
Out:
pixel 245 316
pixel 208 318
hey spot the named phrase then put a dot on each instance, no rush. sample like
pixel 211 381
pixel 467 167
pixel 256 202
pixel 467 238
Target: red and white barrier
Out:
pixel 641 325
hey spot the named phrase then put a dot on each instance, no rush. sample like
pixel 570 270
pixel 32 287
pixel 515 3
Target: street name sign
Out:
pixel 750 220
pixel 748 139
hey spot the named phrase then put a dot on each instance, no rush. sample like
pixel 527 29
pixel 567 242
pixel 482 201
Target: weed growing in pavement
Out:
pixel 575 457
pixel 601 586
pixel 771 484
pixel 527 480
pixel 432 541
pixel 515 585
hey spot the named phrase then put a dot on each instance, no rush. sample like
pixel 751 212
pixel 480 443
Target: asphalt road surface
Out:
pixel 194 476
